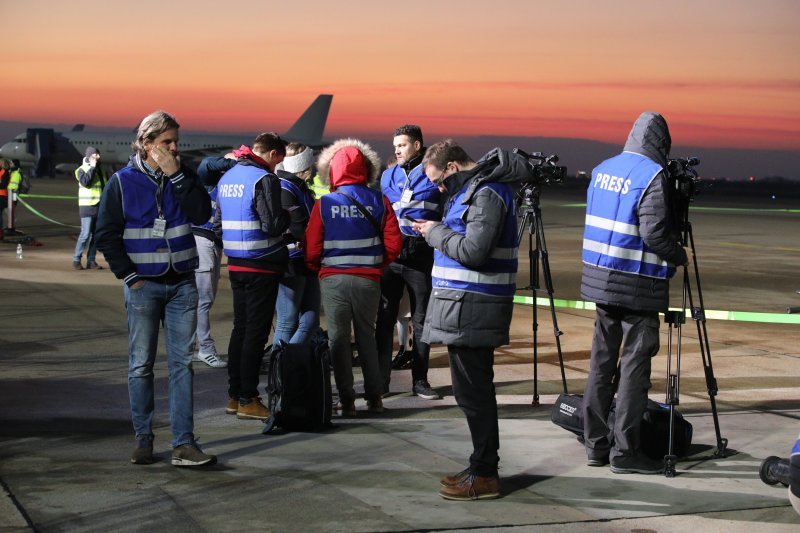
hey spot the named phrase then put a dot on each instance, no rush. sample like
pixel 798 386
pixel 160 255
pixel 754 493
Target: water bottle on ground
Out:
pixel 19 251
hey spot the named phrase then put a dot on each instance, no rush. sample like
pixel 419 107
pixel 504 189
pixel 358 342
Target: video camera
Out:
pixel 543 169
pixel 683 177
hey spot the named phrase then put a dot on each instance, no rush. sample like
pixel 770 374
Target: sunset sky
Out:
pixel 725 73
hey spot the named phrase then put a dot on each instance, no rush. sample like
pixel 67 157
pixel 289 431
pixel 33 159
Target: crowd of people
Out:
pixel 303 233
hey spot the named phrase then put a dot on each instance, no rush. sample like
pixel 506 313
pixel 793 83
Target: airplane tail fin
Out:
pixel 311 125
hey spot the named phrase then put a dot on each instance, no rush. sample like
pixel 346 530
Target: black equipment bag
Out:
pixel 567 413
pixel 299 387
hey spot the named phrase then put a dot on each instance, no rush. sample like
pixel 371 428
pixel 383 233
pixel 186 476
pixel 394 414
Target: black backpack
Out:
pixel 299 387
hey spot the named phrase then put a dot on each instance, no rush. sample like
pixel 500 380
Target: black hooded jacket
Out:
pixel 649 137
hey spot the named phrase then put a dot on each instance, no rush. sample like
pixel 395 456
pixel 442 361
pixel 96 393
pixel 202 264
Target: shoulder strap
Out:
pixel 366 213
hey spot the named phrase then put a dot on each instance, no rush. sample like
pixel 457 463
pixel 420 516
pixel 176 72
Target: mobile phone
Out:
pixel 412 219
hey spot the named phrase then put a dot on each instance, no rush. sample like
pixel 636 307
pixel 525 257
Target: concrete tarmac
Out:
pixel 66 436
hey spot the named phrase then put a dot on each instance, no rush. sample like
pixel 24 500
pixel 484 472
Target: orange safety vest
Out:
pixel 4 190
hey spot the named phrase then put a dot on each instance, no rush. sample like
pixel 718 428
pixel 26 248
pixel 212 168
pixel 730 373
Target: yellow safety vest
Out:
pixel 318 187
pixel 90 195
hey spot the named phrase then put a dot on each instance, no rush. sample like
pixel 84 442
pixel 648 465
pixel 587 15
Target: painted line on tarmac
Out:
pixel 48 196
pixel 30 208
pixel 736 316
pixel 712 209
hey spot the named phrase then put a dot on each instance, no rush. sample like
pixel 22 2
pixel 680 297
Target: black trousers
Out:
pixel 254 296
pixel 636 332
pixel 472 373
pixel 395 279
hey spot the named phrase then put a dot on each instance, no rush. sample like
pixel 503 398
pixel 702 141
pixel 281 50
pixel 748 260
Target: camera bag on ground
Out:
pixel 299 388
pixel 568 414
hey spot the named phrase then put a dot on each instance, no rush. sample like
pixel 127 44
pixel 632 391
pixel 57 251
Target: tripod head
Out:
pixel 684 184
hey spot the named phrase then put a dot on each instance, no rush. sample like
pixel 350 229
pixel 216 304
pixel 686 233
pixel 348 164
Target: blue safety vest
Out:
pixel 242 236
pixel 154 255
pixel 209 225
pixel 498 275
pixel 412 195
pixel 611 238
pixel 350 240
pixel 304 201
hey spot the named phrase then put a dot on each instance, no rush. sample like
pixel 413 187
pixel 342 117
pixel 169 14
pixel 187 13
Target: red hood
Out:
pixel 246 153
pixel 348 167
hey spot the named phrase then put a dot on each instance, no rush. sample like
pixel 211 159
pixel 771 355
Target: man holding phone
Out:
pixel 413 197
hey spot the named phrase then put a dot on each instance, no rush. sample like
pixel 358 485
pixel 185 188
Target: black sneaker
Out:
pixel 423 389
pixel 143 453
pixel 636 464
pixel 597 461
pixel 402 360
pixel 191 455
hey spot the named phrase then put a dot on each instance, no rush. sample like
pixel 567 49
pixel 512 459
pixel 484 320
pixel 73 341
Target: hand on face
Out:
pixel 166 161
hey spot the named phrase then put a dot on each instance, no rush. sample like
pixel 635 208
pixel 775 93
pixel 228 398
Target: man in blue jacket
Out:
pixel 630 250
pixel 144 231
pixel 413 197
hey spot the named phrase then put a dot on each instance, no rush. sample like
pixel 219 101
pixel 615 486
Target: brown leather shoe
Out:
pixel 375 406
pixel 347 408
pixel 232 406
pixel 473 487
pixel 93 266
pixel 253 409
pixel 454 479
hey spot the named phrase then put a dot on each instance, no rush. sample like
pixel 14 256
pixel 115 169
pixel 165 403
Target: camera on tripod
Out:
pixel 543 169
pixel 683 176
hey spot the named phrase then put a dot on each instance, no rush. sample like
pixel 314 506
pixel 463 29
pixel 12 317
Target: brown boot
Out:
pixel 347 408
pixel 375 406
pixel 232 406
pixel 252 409
pixel 473 487
pixel 454 479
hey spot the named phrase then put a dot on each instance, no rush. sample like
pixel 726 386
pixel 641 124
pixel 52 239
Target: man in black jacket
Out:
pixel 251 222
pixel 143 229
pixel 630 249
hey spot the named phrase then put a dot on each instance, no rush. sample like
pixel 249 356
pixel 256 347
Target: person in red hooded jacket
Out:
pixel 351 237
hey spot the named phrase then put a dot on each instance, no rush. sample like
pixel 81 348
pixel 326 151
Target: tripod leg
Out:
pixel 674 319
pixel 548 281
pixel 698 315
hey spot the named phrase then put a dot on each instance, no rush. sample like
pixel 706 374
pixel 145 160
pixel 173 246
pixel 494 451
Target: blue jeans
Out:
pixel 297 308
pixel 147 306
pixel 87 235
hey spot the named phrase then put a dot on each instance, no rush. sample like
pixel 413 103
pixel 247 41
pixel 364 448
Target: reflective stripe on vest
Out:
pixel 349 239
pixel 154 255
pixel 412 195
pixel 89 195
pixel 498 275
pixel 611 238
pixel 242 236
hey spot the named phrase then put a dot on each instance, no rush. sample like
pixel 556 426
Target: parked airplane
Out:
pixel 48 150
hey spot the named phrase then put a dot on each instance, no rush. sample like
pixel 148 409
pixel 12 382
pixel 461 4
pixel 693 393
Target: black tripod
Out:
pixel 537 250
pixel 676 319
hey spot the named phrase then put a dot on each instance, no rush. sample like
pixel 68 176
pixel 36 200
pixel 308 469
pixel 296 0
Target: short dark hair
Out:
pixel 412 131
pixel 268 141
pixel 443 152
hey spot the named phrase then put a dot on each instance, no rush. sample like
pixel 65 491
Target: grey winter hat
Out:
pixel 90 150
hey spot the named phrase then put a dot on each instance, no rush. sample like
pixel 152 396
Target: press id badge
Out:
pixel 159 227
pixel 407 194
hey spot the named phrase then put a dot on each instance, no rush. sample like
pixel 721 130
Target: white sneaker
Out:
pixel 211 359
